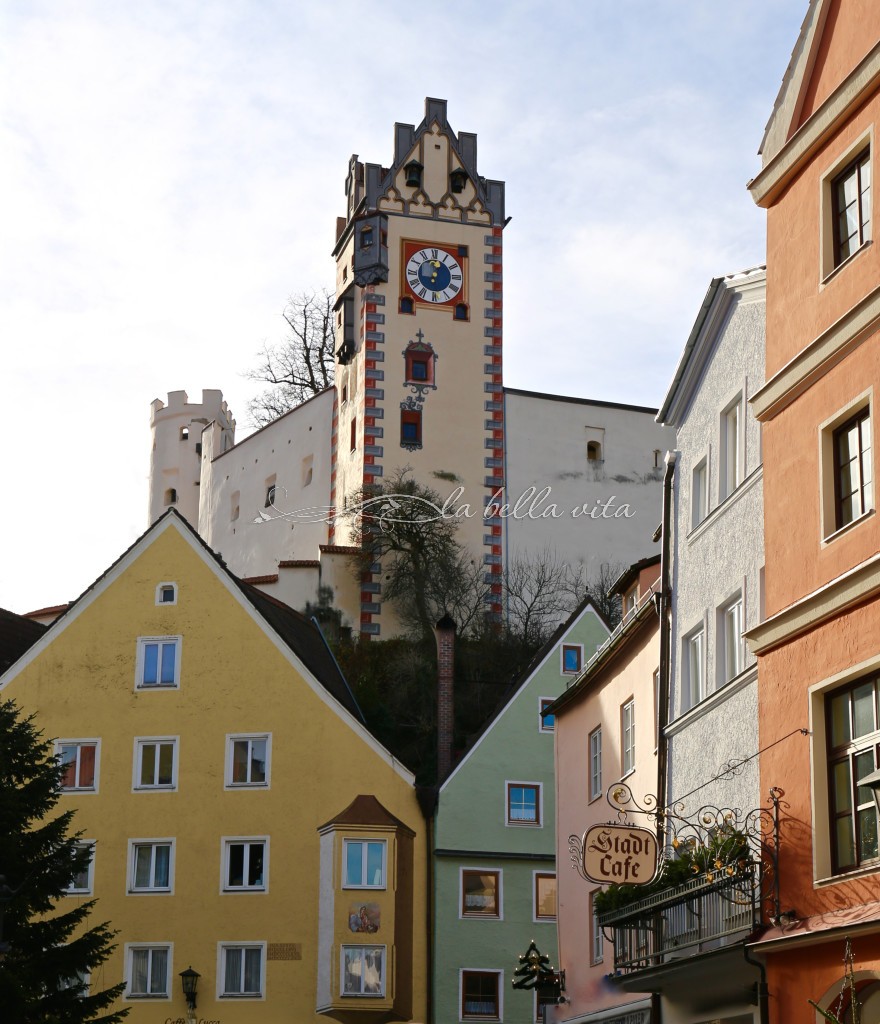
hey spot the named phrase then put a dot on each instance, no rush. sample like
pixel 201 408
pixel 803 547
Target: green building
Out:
pixel 495 857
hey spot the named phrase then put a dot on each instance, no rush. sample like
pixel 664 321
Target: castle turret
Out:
pixel 175 462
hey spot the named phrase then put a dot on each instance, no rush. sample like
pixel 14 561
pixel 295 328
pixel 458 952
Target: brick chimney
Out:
pixel 444 632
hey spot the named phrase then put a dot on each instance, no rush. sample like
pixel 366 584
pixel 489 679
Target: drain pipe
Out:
pixel 665 638
pixel 763 993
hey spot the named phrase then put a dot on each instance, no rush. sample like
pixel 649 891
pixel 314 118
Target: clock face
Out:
pixel 434 275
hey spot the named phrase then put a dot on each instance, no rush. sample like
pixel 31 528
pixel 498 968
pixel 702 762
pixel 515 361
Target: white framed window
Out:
pixel 546 722
pixel 481 894
pixel 481 994
pixel 364 862
pixel 80 761
pixel 247 760
pixel 245 864
pixel 241 970
pixel 596 763
pixel 730 642
pixel 694 657
pixel 628 736
pixel 846 206
pixel 166 593
pixel 78 982
pixel 731 473
pixel 151 865
pixel 597 943
pixel 846 443
pixel 155 763
pixel 82 883
pixel 158 662
pixel 148 970
pixel 523 803
pixel 571 658
pixel 700 493
pixel 363 971
pixel 544 896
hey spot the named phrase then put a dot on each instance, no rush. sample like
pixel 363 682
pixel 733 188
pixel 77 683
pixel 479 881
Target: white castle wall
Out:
pixel 293 455
pixel 175 460
pixel 547 439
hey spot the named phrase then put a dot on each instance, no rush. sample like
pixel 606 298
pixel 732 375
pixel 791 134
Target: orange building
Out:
pixel 819 646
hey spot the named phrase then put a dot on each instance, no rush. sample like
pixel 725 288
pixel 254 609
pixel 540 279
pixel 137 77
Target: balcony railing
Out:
pixel 690 918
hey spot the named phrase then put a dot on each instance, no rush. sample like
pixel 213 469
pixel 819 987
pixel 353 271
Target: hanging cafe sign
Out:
pixel 623 854
pixel 715 843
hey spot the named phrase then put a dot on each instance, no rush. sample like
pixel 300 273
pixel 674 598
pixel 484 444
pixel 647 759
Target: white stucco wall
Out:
pixel 174 460
pixel 722 555
pixel 239 477
pixel 547 438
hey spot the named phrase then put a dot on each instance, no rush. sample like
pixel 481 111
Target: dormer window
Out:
pixel 413 172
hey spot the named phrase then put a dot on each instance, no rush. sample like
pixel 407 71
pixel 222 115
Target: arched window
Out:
pixel 184 433
pixel 171 496
pixel 461 311
pixel 594 451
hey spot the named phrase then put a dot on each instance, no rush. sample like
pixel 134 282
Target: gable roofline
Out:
pixel 628 628
pixel 525 677
pixel 632 572
pixel 278 622
pixel 290 412
pixel 789 100
pixel 579 401
pixel 701 341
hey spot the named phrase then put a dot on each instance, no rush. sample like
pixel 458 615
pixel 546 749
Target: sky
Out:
pixel 172 171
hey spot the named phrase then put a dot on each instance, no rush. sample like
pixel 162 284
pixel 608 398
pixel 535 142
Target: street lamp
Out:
pixel 189 979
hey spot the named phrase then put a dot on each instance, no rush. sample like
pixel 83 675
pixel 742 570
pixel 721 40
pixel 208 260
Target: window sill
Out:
pixel 524 824
pixel 712 700
pixel 242 889
pixel 365 888
pixel 137 997
pixel 849 526
pixel 157 686
pixel 829 277
pixel 848 876
pixel 743 487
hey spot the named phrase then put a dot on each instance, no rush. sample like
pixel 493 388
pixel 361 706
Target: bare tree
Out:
pixel 299 366
pixel 538 595
pixel 426 573
pixel 578 585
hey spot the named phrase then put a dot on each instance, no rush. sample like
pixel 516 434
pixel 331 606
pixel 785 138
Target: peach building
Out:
pixel 818 649
pixel 605 732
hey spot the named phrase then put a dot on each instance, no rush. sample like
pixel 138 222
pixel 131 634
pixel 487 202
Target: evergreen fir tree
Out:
pixel 46 949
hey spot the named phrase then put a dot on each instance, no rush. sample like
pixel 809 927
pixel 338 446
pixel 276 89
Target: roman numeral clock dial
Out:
pixel 433 275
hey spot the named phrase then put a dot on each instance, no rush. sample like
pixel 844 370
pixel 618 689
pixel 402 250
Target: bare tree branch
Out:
pixel 302 364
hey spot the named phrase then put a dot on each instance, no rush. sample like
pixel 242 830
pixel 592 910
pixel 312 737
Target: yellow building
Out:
pixel 244 821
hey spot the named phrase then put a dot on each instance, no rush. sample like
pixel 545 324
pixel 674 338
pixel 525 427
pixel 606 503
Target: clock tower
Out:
pixel 419 336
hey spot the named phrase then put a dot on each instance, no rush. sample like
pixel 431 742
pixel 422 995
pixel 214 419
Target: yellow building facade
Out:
pixel 243 820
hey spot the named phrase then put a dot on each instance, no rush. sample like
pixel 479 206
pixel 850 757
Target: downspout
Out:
pixel 761 987
pixel 665 638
